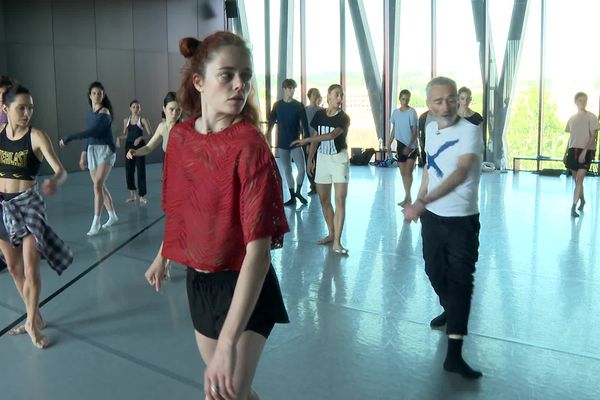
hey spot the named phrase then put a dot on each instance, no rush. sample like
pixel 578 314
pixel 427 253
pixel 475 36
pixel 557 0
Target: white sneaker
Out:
pixel 111 221
pixel 94 230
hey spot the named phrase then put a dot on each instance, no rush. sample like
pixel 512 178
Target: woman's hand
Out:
pixel 137 141
pixel 83 161
pixel 218 377
pixel 130 154
pixel 413 212
pixel 581 158
pixel 311 167
pixel 49 187
pixel 155 273
pixel 300 142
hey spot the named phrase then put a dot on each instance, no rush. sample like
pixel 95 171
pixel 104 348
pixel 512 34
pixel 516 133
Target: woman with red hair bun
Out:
pixel 223 204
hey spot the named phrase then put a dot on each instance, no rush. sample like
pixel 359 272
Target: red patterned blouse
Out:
pixel 220 191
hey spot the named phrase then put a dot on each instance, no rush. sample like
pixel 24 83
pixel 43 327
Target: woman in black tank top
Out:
pixel 22 148
pixel 134 128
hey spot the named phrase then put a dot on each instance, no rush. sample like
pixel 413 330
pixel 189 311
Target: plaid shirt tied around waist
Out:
pixel 26 214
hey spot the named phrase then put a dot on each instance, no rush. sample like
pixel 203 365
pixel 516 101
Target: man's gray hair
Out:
pixel 441 81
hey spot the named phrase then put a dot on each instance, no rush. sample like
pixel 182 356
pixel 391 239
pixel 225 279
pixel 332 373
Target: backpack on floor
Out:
pixel 363 158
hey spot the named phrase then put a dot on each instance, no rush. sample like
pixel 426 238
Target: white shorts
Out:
pixel 98 154
pixel 332 168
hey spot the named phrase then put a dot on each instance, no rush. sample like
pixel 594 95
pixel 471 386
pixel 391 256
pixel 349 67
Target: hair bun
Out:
pixel 188 46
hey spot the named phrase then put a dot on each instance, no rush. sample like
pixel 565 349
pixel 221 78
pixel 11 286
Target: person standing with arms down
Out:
pixel 290 116
pixel 224 212
pixel 404 129
pixel 583 129
pixel 98 154
pixel 25 236
pixel 314 105
pixel 333 166
pixel 134 128
pixel 448 207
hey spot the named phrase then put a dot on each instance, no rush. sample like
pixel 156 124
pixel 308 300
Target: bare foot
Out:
pixel 339 249
pixel 38 339
pixel 405 202
pixel 20 329
pixel 325 240
pixel 130 200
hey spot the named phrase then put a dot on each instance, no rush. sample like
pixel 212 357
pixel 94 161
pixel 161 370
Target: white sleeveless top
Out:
pixel 165 137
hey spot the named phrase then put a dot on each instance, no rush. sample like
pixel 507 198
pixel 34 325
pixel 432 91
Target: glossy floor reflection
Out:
pixel 359 325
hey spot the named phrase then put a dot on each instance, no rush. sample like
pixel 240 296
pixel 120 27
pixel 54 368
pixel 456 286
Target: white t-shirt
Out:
pixel 443 148
pixel 404 122
pixel 581 126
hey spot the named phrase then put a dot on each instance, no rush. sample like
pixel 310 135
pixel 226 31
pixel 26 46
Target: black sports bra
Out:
pixel 17 158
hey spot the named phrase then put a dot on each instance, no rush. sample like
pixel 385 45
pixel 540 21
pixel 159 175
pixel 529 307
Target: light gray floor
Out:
pixel 359 325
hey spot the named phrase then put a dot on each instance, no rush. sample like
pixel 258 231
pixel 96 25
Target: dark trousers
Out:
pixel 450 251
pixel 138 163
pixel 311 178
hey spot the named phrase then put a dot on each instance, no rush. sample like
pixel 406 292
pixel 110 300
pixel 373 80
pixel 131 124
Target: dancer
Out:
pixel 98 154
pixel 404 129
pixel 25 236
pixel 583 129
pixel 464 100
pixel 5 83
pixel 448 207
pixel 333 166
pixel 224 210
pixel 289 113
pixel 134 128
pixel 314 99
pixel 171 115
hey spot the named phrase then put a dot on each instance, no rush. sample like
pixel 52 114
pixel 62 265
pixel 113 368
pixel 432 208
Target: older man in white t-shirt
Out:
pixel 448 208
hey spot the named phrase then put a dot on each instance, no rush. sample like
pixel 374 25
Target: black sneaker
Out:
pixel 301 198
pixel 438 321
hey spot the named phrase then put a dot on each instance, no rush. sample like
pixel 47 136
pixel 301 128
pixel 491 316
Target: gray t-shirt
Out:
pixel 310 113
pixel 404 122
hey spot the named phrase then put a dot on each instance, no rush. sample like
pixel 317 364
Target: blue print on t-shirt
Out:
pixel 431 159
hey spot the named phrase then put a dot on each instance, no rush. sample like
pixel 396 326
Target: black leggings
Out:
pixel 130 167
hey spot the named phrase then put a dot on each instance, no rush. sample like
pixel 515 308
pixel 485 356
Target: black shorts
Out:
pixel 5 196
pixel 400 152
pixel 573 159
pixel 210 295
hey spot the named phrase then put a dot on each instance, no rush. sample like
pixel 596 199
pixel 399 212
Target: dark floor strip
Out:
pixel 81 275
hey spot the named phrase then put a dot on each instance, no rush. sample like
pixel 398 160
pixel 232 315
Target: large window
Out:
pixel 414 52
pixel 322 45
pixel 363 132
pixel 256 28
pixel 571 65
pixel 457 48
pixel 523 118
